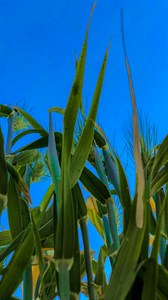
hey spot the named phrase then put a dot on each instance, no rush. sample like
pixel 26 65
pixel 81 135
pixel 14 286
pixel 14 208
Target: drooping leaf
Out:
pixel 57 109
pixel 94 216
pixel 95 186
pixel 41 143
pixel 19 181
pixel 27 132
pixel 31 120
pixel 25 158
pixel 5 111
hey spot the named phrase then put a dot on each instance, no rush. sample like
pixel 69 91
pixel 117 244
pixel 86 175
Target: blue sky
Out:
pixel 38 42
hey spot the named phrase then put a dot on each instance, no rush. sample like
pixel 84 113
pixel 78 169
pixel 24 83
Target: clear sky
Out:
pixel 38 42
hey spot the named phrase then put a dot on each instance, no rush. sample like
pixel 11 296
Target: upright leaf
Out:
pixel 14 219
pixel 54 163
pixel 82 151
pixel 3 175
pixel 13 275
pixel 137 152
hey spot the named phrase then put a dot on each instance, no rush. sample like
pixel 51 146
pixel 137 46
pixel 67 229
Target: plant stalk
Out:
pixel 27 283
pixel 88 261
pixel 63 279
pixel 113 223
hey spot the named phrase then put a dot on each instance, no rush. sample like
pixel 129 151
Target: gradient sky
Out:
pixel 38 42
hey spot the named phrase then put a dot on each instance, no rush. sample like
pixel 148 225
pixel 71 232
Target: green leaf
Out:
pixel 13 275
pixel 111 170
pixel 14 219
pixel 126 265
pixel 83 148
pixel 88 259
pixel 125 197
pixel 31 120
pixel 49 281
pixel 27 283
pixel 74 274
pixel 27 132
pixel 161 157
pixel 19 181
pixel 57 109
pixel 137 152
pixel 5 111
pixel 10 132
pixel 72 107
pixel 25 158
pixel 53 162
pixel 159 180
pixel 38 248
pixel 3 175
pixel 47 197
pixel 162 282
pixel 100 273
pixel 99 139
pixel 65 228
pixel 156 244
pixel 95 186
pixel 5 238
pixel 94 216
pixel 150 280
pixel 78 198
pixel 41 143
pixel 12 246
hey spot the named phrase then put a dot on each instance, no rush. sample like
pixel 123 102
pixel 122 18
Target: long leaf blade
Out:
pixel 16 267
pixel 82 151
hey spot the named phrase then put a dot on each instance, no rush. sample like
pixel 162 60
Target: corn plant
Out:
pixel 41 248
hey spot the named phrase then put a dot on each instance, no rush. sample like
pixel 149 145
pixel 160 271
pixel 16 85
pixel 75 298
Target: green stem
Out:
pixel 162 249
pixel 64 288
pixel 113 223
pixel 101 173
pixel 108 236
pixel 88 261
pixel 27 283
pixel 37 288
